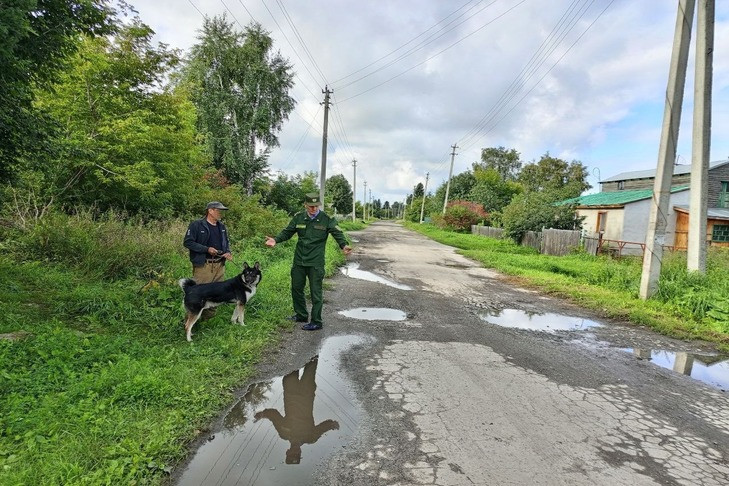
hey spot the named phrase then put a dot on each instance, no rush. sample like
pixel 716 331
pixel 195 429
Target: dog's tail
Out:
pixel 185 283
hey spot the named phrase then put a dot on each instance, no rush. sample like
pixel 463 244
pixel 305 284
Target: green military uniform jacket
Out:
pixel 313 235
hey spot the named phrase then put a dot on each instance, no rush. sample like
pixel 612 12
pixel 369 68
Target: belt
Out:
pixel 214 260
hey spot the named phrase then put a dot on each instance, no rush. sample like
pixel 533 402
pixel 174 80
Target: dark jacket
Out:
pixel 196 240
pixel 313 234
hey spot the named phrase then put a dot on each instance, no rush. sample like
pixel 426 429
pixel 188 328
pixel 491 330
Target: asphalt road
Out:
pixel 442 396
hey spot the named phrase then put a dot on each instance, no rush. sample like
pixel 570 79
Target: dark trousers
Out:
pixel 299 274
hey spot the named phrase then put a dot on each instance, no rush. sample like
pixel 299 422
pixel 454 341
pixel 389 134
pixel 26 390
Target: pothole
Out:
pixel 375 314
pixel 281 428
pixel 710 369
pixel 352 270
pixel 547 322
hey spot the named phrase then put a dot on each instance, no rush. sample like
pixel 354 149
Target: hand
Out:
pixel 228 256
pixel 270 241
pixel 212 251
pixel 347 250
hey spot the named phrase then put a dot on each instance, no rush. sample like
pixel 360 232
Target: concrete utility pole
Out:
pixel 425 191
pixel 323 178
pixel 371 208
pixel 701 140
pixel 450 174
pixel 354 191
pixel 364 202
pixel 655 235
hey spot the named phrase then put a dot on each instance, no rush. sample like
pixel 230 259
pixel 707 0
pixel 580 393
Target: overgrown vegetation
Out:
pixel 687 305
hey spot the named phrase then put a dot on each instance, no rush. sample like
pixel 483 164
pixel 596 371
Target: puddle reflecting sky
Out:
pixel 375 314
pixel 548 322
pixel 352 270
pixel 282 428
pixel 713 370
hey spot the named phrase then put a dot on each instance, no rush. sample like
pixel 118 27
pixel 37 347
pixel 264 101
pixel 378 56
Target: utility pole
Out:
pixel 371 208
pixel 450 174
pixel 323 179
pixel 425 191
pixel 657 222
pixel 701 140
pixel 364 202
pixel 354 191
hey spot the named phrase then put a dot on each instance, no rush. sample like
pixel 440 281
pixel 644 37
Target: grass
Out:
pixel 106 390
pixel 686 305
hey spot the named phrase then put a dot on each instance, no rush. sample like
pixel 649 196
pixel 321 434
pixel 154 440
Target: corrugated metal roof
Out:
pixel 615 198
pixel 712 213
pixel 646 174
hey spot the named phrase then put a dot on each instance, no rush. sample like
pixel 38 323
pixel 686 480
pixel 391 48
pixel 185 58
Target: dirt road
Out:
pixel 431 372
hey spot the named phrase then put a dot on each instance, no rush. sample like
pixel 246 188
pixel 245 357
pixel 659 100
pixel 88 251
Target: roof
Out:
pixel 616 198
pixel 711 213
pixel 648 174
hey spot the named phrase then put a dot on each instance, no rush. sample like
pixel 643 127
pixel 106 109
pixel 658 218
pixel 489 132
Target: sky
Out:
pixel 583 80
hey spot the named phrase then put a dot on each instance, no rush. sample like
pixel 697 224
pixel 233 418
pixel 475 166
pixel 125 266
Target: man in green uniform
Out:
pixel 313 227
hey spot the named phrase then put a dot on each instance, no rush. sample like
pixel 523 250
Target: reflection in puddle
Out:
pixel 537 322
pixel 375 314
pixel 352 270
pixel 711 369
pixel 282 428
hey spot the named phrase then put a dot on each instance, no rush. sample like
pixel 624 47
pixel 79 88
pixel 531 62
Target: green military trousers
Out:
pixel 299 274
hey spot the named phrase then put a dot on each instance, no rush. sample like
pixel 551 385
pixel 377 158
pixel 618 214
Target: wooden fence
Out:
pixel 487 231
pixel 549 241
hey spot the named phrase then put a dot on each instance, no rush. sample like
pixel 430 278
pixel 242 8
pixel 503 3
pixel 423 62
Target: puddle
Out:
pixel 282 428
pixel 352 270
pixel 710 369
pixel 375 314
pixel 537 322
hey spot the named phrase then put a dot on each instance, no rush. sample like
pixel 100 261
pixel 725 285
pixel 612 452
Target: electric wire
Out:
pixel 434 55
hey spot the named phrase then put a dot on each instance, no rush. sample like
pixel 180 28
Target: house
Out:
pixel 620 218
pixel 620 212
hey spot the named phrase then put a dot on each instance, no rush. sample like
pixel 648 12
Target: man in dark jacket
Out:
pixel 313 227
pixel 207 240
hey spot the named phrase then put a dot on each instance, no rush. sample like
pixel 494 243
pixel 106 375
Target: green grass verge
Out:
pixel 686 305
pixel 106 390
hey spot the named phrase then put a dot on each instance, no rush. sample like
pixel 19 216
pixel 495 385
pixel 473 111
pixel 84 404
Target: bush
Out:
pixel 533 211
pixel 461 215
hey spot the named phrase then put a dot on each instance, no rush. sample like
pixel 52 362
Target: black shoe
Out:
pixel 296 318
pixel 312 326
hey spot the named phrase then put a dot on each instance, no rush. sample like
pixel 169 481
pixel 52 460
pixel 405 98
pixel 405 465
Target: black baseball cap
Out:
pixel 215 205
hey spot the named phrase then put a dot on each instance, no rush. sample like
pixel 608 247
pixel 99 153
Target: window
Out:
pixel 724 195
pixel 720 232
pixel 621 185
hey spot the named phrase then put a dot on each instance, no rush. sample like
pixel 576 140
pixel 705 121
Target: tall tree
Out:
pixel 461 185
pixel 241 88
pixel 555 176
pixel 339 193
pixel 287 193
pixel 418 190
pixel 36 38
pixel 505 162
pixel 492 191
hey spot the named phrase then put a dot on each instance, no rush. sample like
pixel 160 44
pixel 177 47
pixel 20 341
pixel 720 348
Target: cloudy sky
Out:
pixel 581 79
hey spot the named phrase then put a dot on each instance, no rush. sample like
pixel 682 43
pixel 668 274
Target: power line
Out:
pixel 434 55
pixel 301 39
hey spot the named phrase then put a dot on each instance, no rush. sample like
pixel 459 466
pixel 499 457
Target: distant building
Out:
pixel 620 213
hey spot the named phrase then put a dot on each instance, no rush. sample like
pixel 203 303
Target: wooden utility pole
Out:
pixel 425 191
pixel 364 202
pixel 658 220
pixel 701 140
pixel 323 178
pixel 354 191
pixel 450 175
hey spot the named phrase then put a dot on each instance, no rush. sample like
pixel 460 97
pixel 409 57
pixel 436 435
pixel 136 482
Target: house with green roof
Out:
pixel 622 216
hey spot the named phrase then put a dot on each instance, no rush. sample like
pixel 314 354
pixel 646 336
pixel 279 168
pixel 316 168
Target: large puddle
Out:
pixel 375 314
pixel 548 322
pixel 282 428
pixel 711 369
pixel 352 270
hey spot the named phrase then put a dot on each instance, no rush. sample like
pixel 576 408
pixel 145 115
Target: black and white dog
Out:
pixel 238 290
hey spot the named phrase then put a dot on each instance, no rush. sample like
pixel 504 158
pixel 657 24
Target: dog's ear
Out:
pixel 257 266
pixel 245 266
